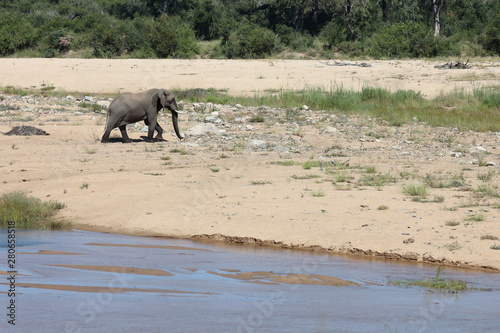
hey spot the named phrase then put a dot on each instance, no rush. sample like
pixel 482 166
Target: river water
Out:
pixel 79 281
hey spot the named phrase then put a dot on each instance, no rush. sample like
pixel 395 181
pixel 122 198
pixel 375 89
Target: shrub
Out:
pixel 107 41
pixel 29 212
pixel 295 40
pixel 416 190
pixel 171 37
pixel 491 40
pixel 211 20
pixel 333 34
pixel 56 41
pixel 408 40
pixel 250 41
pixel 16 33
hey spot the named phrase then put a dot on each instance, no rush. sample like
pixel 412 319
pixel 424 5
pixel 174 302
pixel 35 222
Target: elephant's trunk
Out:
pixel 175 119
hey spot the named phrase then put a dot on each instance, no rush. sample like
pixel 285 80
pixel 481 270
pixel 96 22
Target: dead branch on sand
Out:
pixel 457 65
pixel 337 63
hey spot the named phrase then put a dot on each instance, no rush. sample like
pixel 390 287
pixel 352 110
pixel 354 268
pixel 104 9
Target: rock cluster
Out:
pixel 287 131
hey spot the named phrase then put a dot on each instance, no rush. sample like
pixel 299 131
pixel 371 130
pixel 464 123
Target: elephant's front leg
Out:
pixel 158 128
pixel 151 129
pixel 123 129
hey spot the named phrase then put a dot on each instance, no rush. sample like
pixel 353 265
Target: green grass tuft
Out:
pixel 437 283
pixel 285 163
pixel 29 212
pixel 476 218
pixel 489 237
pixel 452 223
pixel 416 190
pixel 376 180
pixel 259 182
pixel 319 193
pixel 310 176
pixel 257 118
pixel 181 151
pixel 310 164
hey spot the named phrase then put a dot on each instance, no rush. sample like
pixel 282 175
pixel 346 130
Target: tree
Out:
pixel 250 41
pixel 354 12
pixel 383 6
pixel 436 6
pixel 16 33
pixel 492 36
pixel 171 37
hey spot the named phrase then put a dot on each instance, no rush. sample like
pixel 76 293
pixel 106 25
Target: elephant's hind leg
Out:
pixel 123 130
pixel 105 137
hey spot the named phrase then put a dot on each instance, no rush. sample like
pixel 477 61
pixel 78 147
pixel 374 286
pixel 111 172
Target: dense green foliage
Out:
pixel 248 28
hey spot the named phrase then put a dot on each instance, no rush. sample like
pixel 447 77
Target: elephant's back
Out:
pixel 122 102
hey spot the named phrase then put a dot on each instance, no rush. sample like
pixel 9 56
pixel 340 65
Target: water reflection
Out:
pixel 83 281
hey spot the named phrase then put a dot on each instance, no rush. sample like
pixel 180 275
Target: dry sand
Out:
pixel 242 77
pixel 130 189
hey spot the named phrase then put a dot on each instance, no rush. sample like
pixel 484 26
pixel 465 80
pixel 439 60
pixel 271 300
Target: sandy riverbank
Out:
pixel 225 191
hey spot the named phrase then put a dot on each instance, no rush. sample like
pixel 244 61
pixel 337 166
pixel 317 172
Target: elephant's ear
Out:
pixel 156 102
pixel 162 95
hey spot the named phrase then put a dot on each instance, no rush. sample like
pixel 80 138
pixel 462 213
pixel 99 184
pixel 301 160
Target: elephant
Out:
pixel 129 108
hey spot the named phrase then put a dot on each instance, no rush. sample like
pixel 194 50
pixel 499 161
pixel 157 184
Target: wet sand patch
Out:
pixel 119 269
pixel 151 246
pixel 98 289
pixel 275 278
pixel 55 253
pixel 7 273
pixel 191 269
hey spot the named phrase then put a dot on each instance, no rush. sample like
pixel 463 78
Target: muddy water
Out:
pixel 91 282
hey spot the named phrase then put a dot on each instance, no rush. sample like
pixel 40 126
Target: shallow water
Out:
pixel 87 282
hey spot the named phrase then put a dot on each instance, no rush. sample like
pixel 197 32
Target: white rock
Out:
pixel 203 129
pixel 214 120
pixel 191 144
pixel 330 129
pixel 249 127
pixel 257 144
pixel 281 149
pixel 104 104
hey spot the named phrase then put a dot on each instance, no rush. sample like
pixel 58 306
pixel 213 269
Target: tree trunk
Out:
pixel 436 4
pixel 384 10
pixel 347 12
